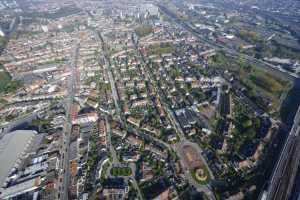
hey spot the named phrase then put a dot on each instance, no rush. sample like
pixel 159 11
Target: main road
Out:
pixel 228 51
pixel 174 121
pixel 118 111
pixel 282 180
pixel 65 173
pixel 108 69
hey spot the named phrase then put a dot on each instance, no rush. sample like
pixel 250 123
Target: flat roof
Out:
pixel 12 145
pixel 73 150
pixel 20 188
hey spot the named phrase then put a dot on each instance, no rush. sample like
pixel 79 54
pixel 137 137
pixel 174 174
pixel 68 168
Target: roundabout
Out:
pixel 200 175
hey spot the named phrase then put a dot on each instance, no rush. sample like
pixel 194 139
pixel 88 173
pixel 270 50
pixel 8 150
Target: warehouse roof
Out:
pixel 12 146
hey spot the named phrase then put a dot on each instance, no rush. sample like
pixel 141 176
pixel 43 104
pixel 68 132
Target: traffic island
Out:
pixel 201 175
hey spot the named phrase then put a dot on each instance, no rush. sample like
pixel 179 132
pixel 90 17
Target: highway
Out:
pixel 281 183
pixel 228 51
pixel 64 186
pixel 282 179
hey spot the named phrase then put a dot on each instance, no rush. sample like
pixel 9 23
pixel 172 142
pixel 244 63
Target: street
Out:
pixel 68 125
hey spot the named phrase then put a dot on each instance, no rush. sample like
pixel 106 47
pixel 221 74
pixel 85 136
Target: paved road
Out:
pixel 68 126
pixel 134 182
pixel 112 151
pixel 200 188
pixel 179 131
pixel 286 168
pixel 116 161
pixel 108 69
pixel 115 95
pixel 228 51
pixel 159 92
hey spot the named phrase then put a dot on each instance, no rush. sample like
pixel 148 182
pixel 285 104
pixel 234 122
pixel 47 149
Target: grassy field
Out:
pixel 2 42
pixel 6 83
pixel 257 80
pixel 250 36
pixel 205 174
pixel 160 49
pixel 121 171
pixel 245 129
pixel 143 30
